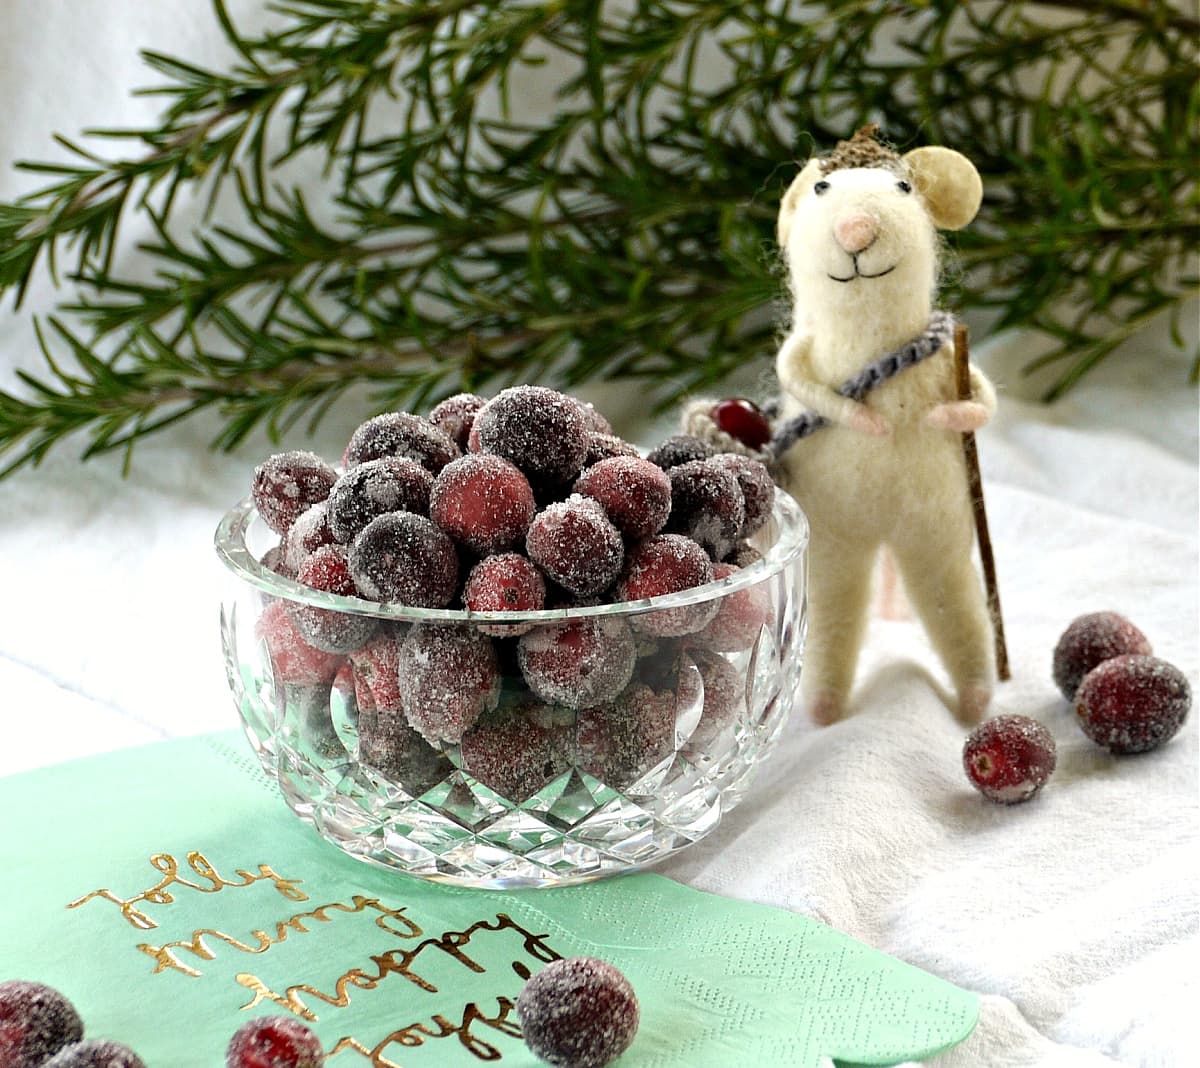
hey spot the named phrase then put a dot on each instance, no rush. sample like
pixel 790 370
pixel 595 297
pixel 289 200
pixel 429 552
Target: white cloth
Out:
pixel 1075 915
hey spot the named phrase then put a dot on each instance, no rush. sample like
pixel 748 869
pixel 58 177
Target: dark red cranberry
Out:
pixel 483 502
pixel 1132 704
pixel 707 505
pixel 1009 758
pixel 757 486
pixel 328 570
pixel 576 545
pixel 620 741
pixel 634 493
pixel 542 431
pixel 597 423
pixel 294 660
pixel 449 676
pixel 401 434
pixel 36 1021
pixel 578 1013
pixel 578 662
pixel 374 488
pixel 606 446
pixel 664 564
pixel 742 420
pixel 507 582
pixel 679 449
pixel 404 558
pixel 274 1042
pixel 95 1053
pixel 287 483
pixel 455 415
pixel 740 617
pixel 516 751
pixel 1088 642
pixel 721 690
pixel 306 535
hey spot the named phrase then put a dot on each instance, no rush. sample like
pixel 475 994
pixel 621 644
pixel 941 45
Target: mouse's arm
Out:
pixel 966 415
pixel 791 367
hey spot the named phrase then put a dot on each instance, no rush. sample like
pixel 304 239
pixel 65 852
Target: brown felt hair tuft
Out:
pixel 864 149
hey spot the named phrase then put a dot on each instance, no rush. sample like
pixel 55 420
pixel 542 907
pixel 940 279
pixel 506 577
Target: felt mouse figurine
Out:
pixel 868 429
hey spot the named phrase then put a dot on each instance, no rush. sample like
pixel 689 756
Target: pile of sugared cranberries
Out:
pixel 1125 699
pixel 40 1028
pixel 523 502
pixel 578 1013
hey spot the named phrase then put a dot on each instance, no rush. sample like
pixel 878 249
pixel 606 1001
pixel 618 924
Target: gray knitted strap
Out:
pixel 936 334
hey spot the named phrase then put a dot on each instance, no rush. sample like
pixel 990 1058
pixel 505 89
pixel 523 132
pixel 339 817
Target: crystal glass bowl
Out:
pixel 610 737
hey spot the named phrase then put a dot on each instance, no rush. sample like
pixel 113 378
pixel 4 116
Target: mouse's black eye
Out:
pixel 903 186
pixel 821 187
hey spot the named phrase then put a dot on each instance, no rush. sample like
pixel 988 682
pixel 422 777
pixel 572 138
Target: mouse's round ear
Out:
pixel 801 184
pixel 949 183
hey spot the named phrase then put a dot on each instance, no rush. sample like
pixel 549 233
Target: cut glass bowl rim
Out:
pixel 230 543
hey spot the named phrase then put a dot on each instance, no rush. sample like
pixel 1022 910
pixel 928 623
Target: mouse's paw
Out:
pixel 959 416
pixel 825 707
pixel 973 702
pixel 868 421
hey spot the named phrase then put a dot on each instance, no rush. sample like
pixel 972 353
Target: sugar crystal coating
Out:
pixel 722 693
pixel 578 1013
pixel 1009 758
pixel 606 446
pixel 507 582
pixel 634 493
pixel 449 676
pixel 306 535
pixel 455 415
pixel 35 1022
pixel 328 569
pixel 679 449
pixel 740 617
pixel 274 1042
pixel 542 431
pixel 401 434
pixel 597 422
pixel 578 662
pixel 483 502
pixel 294 660
pixel 707 505
pixel 1132 703
pixel 620 741
pixel 404 558
pixel 517 750
pixel 287 483
pixel 665 564
pixel 575 544
pixel 374 488
pixel 757 486
pixel 95 1053
pixel 1089 641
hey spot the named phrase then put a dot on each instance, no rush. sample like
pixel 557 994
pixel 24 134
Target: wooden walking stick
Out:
pixel 962 372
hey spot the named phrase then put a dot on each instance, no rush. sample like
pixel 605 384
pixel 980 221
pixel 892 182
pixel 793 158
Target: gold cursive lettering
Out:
pixel 416 1034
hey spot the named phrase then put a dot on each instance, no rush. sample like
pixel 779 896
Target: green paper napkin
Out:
pixel 170 893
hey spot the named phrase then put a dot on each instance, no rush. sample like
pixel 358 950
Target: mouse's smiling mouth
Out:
pixel 859 274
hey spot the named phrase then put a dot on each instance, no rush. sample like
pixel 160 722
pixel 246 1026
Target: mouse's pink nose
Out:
pixel 855 232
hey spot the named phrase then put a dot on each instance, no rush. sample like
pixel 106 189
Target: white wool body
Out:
pixel 862 259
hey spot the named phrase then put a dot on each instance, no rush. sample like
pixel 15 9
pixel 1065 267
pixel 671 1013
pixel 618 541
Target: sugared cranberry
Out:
pixel 307 535
pixel 1088 642
pixel 707 505
pixel 542 431
pixel 274 560
pixel 1132 704
pixel 721 690
pixel 620 741
pixel 578 662
pixel 597 422
pixel 663 564
pixel 634 493
pixel 328 570
pixel 757 486
pixel 449 676
pixel 742 420
pixel 575 543
pixel 294 660
pixel 679 449
pixel 401 434
pixel 1009 758
pixel 36 1021
pixel 95 1053
pixel 455 415
pixel 516 751
pixel 404 558
pixel 374 488
pixel 744 554
pixel 287 483
pixel 274 1042
pixel 740 617
pixel 606 446
pixel 507 582
pixel 578 1013
pixel 483 502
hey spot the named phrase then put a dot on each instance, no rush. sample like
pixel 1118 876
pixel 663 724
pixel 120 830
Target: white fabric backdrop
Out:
pixel 1074 916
